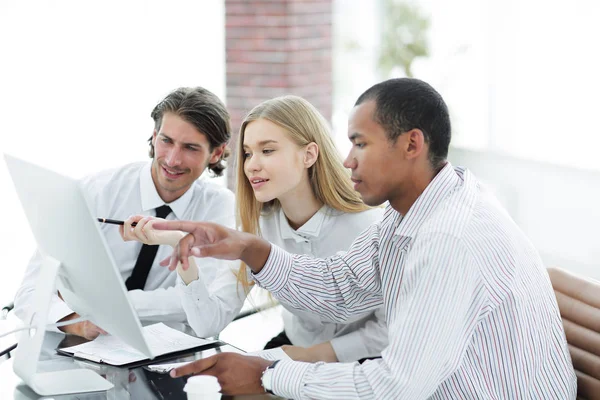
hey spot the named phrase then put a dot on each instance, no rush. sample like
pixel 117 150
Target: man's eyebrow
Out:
pixel 354 136
pixel 185 144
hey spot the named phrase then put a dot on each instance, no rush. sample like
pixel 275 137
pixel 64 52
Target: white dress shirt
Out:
pixel 324 234
pixel 119 194
pixel 471 312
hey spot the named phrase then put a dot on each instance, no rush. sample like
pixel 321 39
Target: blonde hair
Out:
pixel 329 179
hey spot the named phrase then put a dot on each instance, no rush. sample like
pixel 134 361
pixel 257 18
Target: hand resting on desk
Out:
pixel 237 374
pixel 241 374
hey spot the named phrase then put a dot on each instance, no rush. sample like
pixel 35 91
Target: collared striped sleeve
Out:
pixel 300 380
pixel 336 288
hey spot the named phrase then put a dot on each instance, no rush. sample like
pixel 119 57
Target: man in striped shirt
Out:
pixel 470 309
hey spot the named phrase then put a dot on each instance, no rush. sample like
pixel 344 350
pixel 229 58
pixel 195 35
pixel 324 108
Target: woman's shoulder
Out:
pixel 360 220
pixel 268 220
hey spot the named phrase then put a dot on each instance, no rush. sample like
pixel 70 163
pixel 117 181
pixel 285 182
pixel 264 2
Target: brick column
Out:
pixel 273 48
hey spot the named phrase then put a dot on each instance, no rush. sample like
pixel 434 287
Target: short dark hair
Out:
pixel 204 110
pixel 403 104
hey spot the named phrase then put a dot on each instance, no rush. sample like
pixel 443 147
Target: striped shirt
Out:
pixel 471 312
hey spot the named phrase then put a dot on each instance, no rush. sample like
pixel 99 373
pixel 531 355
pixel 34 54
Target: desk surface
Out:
pixel 136 383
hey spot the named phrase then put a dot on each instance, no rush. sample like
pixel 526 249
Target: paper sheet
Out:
pixel 111 350
pixel 166 368
pixel 271 354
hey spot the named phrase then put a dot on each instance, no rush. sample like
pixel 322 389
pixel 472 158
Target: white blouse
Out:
pixel 326 233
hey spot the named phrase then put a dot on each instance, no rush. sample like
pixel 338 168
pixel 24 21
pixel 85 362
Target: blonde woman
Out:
pixel 293 190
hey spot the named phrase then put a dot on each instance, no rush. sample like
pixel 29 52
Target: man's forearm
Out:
pixel 256 251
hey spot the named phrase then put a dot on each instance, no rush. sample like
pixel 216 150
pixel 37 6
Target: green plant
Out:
pixel 404 36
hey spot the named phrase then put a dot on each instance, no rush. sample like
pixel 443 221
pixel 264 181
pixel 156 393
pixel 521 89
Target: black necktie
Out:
pixel 138 277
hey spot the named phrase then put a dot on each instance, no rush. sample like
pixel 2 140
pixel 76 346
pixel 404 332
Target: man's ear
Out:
pixel 415 143
pixel 154 134
pixel 311 153
pixel 217 153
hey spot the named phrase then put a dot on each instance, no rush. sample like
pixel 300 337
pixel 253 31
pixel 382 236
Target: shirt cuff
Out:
pixel 350 347
pixel 274 274
pixel 288 378
pixel 196 290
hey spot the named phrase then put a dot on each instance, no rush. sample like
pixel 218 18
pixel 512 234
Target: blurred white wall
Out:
pixel 556 206
pixel 355 48
pixel 522 92
pixel 78 81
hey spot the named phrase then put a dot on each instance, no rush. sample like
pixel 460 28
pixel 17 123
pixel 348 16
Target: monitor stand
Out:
pixel 30 345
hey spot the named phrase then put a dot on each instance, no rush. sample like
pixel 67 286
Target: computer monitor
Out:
pixel 78 260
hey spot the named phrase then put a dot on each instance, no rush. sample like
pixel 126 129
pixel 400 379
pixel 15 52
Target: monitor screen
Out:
pixel 64 229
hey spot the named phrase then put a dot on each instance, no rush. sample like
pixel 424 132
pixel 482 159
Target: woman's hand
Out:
pixel 207 239
pixel 145 233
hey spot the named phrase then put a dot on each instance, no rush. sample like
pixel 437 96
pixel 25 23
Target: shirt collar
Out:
pixel 151 199
pixel 439 188
pixel 311 229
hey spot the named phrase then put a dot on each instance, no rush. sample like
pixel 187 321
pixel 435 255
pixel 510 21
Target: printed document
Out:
pixel 111 350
